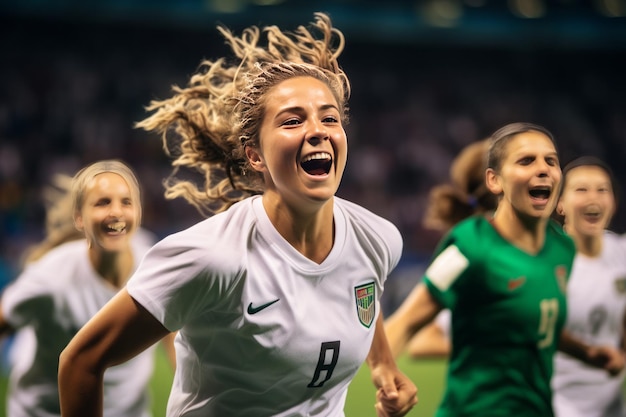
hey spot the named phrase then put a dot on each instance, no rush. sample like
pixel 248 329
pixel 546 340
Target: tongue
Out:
pixel 318 171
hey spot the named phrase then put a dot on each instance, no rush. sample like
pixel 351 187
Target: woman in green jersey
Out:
pixel 503 277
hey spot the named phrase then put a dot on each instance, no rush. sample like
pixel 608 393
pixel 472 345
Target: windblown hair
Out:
pixel 465 195
pixel 59 224
pixel 64 199
pixel 206 126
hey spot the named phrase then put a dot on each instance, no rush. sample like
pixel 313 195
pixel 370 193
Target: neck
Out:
pixel 590 246
pixel 310 232
pixel 526 233
pixel 113 267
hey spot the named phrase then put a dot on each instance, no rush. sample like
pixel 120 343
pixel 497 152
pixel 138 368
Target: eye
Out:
pixel 581 189
pixel 552 161
pixel 127 202
pixel 103 202
pixel 291 122
pixel 527 160
pixel 330 119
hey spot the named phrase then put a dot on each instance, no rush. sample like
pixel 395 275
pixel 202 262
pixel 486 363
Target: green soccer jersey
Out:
pixel 508 309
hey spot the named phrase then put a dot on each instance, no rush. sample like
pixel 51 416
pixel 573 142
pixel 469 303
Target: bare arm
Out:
pixel 119 331
pixel 168 344
pixel 606 357
pixel 396 393
pixel 419 309
pixel 5 328
pixel 430 342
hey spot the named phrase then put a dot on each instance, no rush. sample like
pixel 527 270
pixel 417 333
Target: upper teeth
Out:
pixel 118 227
pixel 318 155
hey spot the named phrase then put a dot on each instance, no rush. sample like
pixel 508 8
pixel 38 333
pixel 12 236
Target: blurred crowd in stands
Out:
pixel 69 95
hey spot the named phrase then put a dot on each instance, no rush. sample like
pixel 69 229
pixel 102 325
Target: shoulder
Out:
pixel 45 280
pixel 472 233
pixel 207 241
pixel 614 246
pixel 556 235
pixel 369 225
pixel 61 258
pixel 614 240
pixel 360 216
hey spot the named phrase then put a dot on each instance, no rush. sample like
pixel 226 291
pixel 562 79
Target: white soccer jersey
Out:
pixel 596 295
pixel 48 303
pixel 263 330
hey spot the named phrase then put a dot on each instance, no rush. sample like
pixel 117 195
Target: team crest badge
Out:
pixel 620 285
pixel 365 303
pixel 560 274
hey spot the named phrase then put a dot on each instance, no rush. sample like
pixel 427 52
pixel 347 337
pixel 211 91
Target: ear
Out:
pixel 492 180
pixel 255 159
pixel 559 208
pixel 78 223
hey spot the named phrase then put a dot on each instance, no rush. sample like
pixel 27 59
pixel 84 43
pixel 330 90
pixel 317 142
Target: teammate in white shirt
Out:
pixel 67 279
pixel 596 291
pixel 276 299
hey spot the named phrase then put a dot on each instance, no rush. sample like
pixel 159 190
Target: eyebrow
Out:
pixel 300 109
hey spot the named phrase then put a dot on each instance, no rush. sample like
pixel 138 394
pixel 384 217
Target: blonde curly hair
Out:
pixel 206 126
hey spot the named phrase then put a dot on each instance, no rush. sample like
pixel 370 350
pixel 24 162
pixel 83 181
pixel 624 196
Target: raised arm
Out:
pixel 417 310
pixel 119 331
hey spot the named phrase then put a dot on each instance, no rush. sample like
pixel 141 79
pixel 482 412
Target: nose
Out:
pixel 115 209
pixel 317 132
pixel 542 168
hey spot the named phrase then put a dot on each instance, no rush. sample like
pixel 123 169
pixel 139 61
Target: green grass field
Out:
pixel 428 375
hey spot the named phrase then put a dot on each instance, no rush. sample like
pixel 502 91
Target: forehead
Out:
pixel 587 173
pixel 299 91
pixel 531 142
pixel 108 182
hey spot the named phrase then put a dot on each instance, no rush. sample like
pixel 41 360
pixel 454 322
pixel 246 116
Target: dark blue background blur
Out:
pixel 428 77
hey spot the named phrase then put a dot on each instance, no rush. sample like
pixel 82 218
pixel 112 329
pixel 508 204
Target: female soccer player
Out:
pixel 503 278
pixel 275 299
pixel 68 278
pixel 596 291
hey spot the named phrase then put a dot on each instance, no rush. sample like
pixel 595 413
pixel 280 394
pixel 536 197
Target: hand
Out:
pixel 609 358
pixel 396 394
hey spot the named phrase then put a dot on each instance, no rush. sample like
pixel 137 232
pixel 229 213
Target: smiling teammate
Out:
pixel 503 278
pixel 596 291
pixel 68 277
pixel 276 299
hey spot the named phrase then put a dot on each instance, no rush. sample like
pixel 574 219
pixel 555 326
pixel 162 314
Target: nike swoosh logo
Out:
pixel 515 283
pixel 254 310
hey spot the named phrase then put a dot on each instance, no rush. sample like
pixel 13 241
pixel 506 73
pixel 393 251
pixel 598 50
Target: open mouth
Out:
pixel 317 164
pixel 592 215
pixel 116 227
pixel 540 193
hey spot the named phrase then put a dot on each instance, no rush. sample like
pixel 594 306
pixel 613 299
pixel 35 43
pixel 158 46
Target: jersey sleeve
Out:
pixel 449 271
pixel 179 279
pixel 28 298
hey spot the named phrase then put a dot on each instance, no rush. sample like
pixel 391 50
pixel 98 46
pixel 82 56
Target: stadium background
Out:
pixel 428 77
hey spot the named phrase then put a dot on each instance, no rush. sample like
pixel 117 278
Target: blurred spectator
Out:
pixel 65 102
